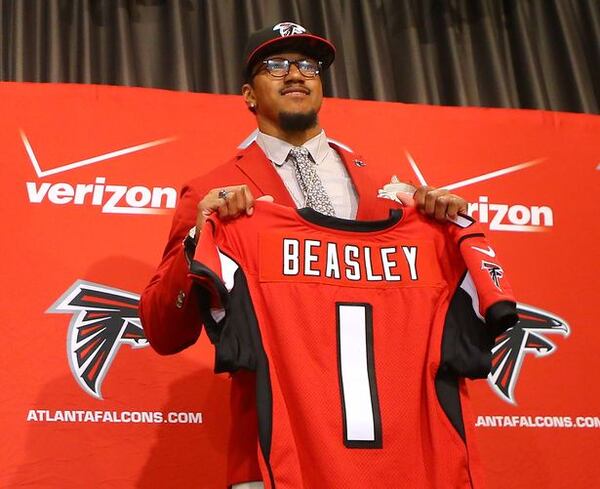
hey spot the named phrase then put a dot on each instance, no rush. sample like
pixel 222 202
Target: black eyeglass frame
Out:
pixel 265 66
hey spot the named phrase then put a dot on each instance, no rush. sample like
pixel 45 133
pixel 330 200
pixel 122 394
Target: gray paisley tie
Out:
pixel 315 196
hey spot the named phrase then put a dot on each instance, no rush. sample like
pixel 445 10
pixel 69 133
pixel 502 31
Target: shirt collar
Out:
pixel 277 150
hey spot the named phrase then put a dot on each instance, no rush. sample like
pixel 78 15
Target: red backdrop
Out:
pixel 89 177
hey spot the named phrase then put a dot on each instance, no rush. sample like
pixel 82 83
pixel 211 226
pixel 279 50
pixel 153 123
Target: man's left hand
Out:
pixel 439 203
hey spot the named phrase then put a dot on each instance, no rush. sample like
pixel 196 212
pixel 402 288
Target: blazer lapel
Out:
pixel 260 171
pixel 369 205
pixel 257 167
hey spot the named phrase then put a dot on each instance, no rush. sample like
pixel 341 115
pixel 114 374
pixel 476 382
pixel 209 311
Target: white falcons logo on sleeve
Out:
pixel 289 29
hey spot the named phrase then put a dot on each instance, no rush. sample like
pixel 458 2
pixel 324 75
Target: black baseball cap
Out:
pixel 286 36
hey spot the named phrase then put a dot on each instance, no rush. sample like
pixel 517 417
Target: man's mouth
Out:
pixel 295 91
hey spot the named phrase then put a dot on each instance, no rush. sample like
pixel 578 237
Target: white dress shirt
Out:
pixel 329 167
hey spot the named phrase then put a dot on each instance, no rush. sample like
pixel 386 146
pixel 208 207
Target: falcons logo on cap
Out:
pixel 289 29
pixel 527 336
pixel 104 318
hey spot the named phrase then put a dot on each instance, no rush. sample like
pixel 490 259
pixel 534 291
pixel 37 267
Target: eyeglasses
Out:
pixel 280 67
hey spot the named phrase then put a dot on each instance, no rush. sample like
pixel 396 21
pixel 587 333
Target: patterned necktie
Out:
pixel 315 196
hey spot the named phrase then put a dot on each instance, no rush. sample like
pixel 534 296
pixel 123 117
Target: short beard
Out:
pixel 293 122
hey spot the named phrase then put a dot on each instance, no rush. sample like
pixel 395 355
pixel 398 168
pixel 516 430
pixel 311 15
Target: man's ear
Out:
pixel 249 98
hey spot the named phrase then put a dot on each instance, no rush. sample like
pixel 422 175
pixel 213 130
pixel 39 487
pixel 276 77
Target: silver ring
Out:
pixel 223 194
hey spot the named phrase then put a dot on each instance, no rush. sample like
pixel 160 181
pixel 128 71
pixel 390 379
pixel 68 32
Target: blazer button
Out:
pixel 180 299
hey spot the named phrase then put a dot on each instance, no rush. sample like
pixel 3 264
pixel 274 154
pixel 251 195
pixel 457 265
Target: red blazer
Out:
pixel 169 311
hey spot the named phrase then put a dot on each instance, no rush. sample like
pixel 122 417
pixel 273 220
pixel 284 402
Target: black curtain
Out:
pixel 542 54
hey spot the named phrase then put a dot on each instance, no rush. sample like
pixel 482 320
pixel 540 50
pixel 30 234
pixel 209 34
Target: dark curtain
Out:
pixel 542 54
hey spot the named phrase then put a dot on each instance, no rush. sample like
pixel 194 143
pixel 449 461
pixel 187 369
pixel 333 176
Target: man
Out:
pixel 284 90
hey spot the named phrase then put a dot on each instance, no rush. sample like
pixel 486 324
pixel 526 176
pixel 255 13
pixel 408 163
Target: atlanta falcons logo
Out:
pixel 103 319
pixel 512 346
pixel 289 29
pixel 495 271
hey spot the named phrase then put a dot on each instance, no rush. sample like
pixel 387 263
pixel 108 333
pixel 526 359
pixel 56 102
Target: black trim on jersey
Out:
pixel 199 270
pixel 349 224
pixel 501 316
pixel 264 407
pixel 467 340
pixel 466 351
pixel 212 327
pixel 239 346
pixel 467 236
pixel 377 442
pixel 447 391
pixel 239 340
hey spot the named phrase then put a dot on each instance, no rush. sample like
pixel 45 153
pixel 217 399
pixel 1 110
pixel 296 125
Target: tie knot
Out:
pixel 309 181
pixel 299 152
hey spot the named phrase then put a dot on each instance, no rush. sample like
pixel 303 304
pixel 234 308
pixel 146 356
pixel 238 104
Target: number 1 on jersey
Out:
pixel 356 367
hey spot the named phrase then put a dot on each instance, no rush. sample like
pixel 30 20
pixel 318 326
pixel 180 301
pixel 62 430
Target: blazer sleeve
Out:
pixel 169 306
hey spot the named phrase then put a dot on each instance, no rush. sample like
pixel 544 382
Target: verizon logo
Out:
pixel 517 217
pixel 110 198
pixel 500 217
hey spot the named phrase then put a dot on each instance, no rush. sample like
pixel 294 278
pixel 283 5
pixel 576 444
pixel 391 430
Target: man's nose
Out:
pixel 294 73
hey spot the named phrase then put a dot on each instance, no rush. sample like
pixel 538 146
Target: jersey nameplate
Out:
pixel 301 258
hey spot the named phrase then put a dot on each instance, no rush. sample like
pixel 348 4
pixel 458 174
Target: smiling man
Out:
pixel 291 107
pixel 293 162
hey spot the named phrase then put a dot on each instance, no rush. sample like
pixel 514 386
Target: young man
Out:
pixel 284 90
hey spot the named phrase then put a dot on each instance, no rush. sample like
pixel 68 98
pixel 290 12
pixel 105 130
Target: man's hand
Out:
pixel 439 203
pixel 228 202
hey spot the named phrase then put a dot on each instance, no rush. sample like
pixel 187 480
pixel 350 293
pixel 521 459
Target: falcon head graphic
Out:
pixel 495 271
pixel 289 29
pixel 103 319
pixel 528 336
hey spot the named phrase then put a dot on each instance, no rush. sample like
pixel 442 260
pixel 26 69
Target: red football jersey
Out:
pixel 360 334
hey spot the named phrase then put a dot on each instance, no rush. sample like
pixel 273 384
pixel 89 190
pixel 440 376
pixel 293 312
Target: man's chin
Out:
pixel 297 121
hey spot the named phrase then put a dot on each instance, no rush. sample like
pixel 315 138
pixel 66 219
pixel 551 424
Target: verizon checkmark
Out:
pixel 88 161
pixel 470 181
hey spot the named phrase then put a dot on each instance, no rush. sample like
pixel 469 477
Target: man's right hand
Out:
pixel 228 202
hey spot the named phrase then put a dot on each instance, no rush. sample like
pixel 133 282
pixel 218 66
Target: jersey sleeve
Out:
pixel 228 313
pixel 485 281
pixel 482 307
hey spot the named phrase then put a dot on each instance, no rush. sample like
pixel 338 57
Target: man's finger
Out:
pixel 240 202
pixel 228 202
pixel 249 200
pixel 266 198
pixel 223 209
pixel 206 207
pixel 454 207
pixel 419 197
pixel 430 201
pixel 233 203
pixel 441 207
pixel 439 203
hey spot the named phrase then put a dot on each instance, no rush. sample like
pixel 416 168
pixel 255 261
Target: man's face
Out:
pixel 293 94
